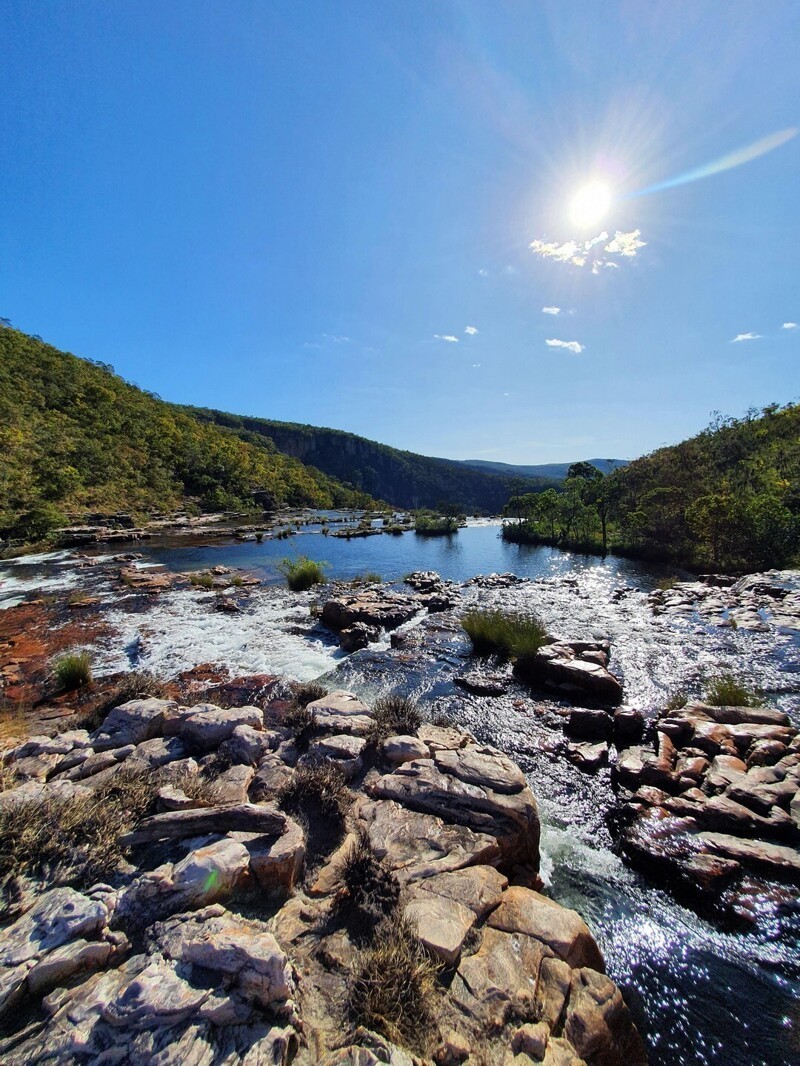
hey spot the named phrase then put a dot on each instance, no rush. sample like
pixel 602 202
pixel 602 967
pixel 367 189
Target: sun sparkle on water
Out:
pixel 590 204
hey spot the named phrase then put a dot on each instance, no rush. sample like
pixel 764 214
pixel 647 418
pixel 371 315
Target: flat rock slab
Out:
pixel 500 979
pixel 442 924
pixel 563 931
pixel 416 845
pixel 381 609
pixel 341 712
pixel 131 723
pixel 176 825
pixel 480 888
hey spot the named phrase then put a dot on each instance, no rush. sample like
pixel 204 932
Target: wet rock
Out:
pixel 628 726
pixel 588 757
pixel 557 665
pixel 358 635
pixel 376 608
pixel 481 683
pixel 590 724
pixel 522 910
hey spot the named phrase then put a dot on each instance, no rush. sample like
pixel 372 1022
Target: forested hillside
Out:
pixel 74 436
pixel 404 478
pixel 728 498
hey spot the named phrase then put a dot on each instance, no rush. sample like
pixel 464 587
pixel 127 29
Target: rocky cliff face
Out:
pixel 286 858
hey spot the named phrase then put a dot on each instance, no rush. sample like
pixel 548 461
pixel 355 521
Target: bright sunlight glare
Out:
pixel 590 204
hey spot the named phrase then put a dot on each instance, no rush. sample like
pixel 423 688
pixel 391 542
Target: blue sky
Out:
pixel 286 208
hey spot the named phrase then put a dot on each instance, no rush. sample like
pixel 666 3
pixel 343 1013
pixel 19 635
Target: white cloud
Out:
pixel 471 331
pixel 746 337
pixel 476 364
pixel 627 244
pixel 335 338
pixel 571 346
pixel 483 272
pixel 446 337
pixel 551 310
pixel 594 251
pixel 789 325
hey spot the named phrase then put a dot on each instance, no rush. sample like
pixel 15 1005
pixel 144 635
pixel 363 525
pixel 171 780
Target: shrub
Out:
pixel 79 838
pixel 368 578
pixel 727 690
pixel 369 891
pixel 435 525
pixel 507 634
pixel 318 798
pixel 302 573
pixel 666 583
pixel 201 581
pixel 392 987
pixel 394 715
pixel 309 692
pixel 73 670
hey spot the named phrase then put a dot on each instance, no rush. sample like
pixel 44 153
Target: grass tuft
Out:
pixel 75 840
pixel 394 715
pixel 392 988
pixel 73 670
pixel 507 634
pixel 318 798
pixel 676 700
pixel 727 690
pixel 309 693
pixel 302 573
pixel 369 894
pixel 201 581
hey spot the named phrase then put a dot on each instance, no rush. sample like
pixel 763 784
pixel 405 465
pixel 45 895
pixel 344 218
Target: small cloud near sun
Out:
pixel 475 365
pixel 471 331
pixel 789 325
pixel 551 310
pixel 483 273
pixel 446 337
pixel 571 346
pixel 746 337
pixel 594 250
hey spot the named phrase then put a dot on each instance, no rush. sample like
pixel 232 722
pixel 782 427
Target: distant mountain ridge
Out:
pixel 404 478
pixel 558 471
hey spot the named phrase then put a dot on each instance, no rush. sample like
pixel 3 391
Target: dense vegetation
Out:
pixel 75 437
pixel 404 478
pixel 728 499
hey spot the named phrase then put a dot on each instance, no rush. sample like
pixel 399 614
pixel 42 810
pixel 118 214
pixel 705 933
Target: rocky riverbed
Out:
pixel 226 936
pixel 700 800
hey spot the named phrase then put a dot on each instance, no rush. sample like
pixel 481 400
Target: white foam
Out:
pixel 182 630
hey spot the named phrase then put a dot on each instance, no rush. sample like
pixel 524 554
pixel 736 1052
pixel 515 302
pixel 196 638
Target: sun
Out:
pixel 590 204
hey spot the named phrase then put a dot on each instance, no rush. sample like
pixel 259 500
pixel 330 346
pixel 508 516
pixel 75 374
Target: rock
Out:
pixel 246 745
pixel 735 715
pixel 523 911
pixel 159 751
pixel 131 723
pixel 597 1023
pixel 442 924
pixel 588 757
pixel 530 1040
pixel 453 788
pixel 58 918
pixel 590 724
pixel 776 859
pixel 242 951
pixel 244 817
pixel 401 749
pixel 483 684
pixel 341 712
pixel 628 726
pixel 66 962
pixel 232 785
pixel 271 776
pixel 478 887
pixel 377 608
pixel 342 750
pixel 499 981
pixel 415 845
pixel 358 635
pixel 277 863
pixel 205 726
pixel 557 665
pixel 453 1050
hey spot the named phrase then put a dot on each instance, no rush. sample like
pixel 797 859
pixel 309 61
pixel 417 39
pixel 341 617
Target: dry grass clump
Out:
pixel 394 715
pixel 392 988
pixel 318 798
pixel 14 722
pixel 309 693
pixel 73 670
pixel 201 581
pixel 75 840
pixel 199 787
pixel 369 894
pixel 727 690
